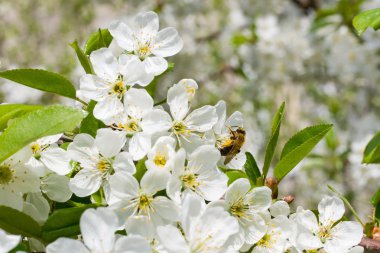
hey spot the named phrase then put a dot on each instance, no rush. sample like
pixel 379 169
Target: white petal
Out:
pixel 57 160
pixel 307 219
pixel 167 43
pixel 137 103
pixel 214 186
pixel 56 187
pixel 132 69
pixel 172 239
pixel 85 183
pixel 178 102
pixel 146 24
pixel 11 199
pixel 47 140
pixel 154 181
pixel 124 185
pixel 202 119
pixel 93 87
pixel 82 148
pixel 132 244
pixel 139 145
pixel 220 108
pixel 260 198
pixel 109 142
pixel 255 230
pixel 237 189
pixel 345 235
pixel 124 162
pixel 37 207
pixel 156 121
pixel 64 245
pixel 98 228
pixel 279 208
pixel 155 65
pixel 105 64
pixel 192 208
pixel 331 209
pixel 204 158
pixel 8 242
pixel 166 208
pixel 173 189
pixel 108 108
pixel 123 34
pixel 140 225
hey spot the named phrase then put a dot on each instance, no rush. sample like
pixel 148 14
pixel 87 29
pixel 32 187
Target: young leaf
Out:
pixel 63 223
pixel 376 198
pixel 370 18
pixel 18 223
pixel 90 124
pixel 372 150
pixel 83 59
pixel 140 170
pixel 234 175
pixel 298 147
pixel 12 111
pixel 98 39
pixel 34 125
pixel 251 168
pixel 276 125
pixel 41 80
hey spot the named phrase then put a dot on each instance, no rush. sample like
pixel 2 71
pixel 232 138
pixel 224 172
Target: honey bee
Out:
pixel 230 146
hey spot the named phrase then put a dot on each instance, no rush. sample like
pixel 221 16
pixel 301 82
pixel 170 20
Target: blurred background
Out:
pixel 253 54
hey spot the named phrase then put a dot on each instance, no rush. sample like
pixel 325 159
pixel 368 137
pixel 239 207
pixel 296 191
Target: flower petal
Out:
pixel 105 64
pixel 109 142
pixel 331 209
pixel 57 160
pixel 132 244
pixel 137 102
pixel 124 162
pixel 56 187
pixel 123 35
pixel 64 245
pixel 85 183
pixel 167 43
pixel 202 119
pixel 155 65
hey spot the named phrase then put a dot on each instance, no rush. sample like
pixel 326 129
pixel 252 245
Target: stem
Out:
pixel 81 101
pixel 160 103
pixel 347 203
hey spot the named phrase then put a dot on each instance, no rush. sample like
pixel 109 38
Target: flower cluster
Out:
pixel 159 171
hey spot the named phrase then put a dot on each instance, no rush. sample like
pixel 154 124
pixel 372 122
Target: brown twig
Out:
pixel 370 244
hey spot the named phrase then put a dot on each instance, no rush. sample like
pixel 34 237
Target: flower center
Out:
pixel 6 174
pixel 144 50
pixel 144 202
pixel 190 181
pixel 239 209
pixel 103 165
pixel 180 128
pixel 265 241
pixel 160 160
pixel 119 88
pixel 324 234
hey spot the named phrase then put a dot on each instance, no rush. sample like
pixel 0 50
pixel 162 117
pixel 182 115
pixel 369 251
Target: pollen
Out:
pixel 144 203
pixel 35 148
pixel 119 88
pixel 103 165
pixel 324 234
pixel 179 128
pixel 6 174
pixel 265 241
pixel 239 209
pixel 144 50
pixel 160 160
pixel 190 181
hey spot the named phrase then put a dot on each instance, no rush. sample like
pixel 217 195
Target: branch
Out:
pixel 370 244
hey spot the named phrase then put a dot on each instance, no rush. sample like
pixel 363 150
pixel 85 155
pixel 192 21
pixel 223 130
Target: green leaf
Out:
pixel 140 169
pixel 12 111
pixel 18 223
pixel 90 124
pixel 276 125
pixel 370 18
pixel 98 39
pixel 298 147
pixel 234 175
pixel 34 125
pixel 41 80
pixel 372 150
pixel 376 198
pixel 83 59
pixel 63 223
pixel 251 168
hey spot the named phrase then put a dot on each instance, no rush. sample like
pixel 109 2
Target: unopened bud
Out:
pixel 288 199
pixel 272 183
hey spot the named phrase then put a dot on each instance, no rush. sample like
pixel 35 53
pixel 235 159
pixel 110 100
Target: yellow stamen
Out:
pixel 160 160
pixel 6 174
